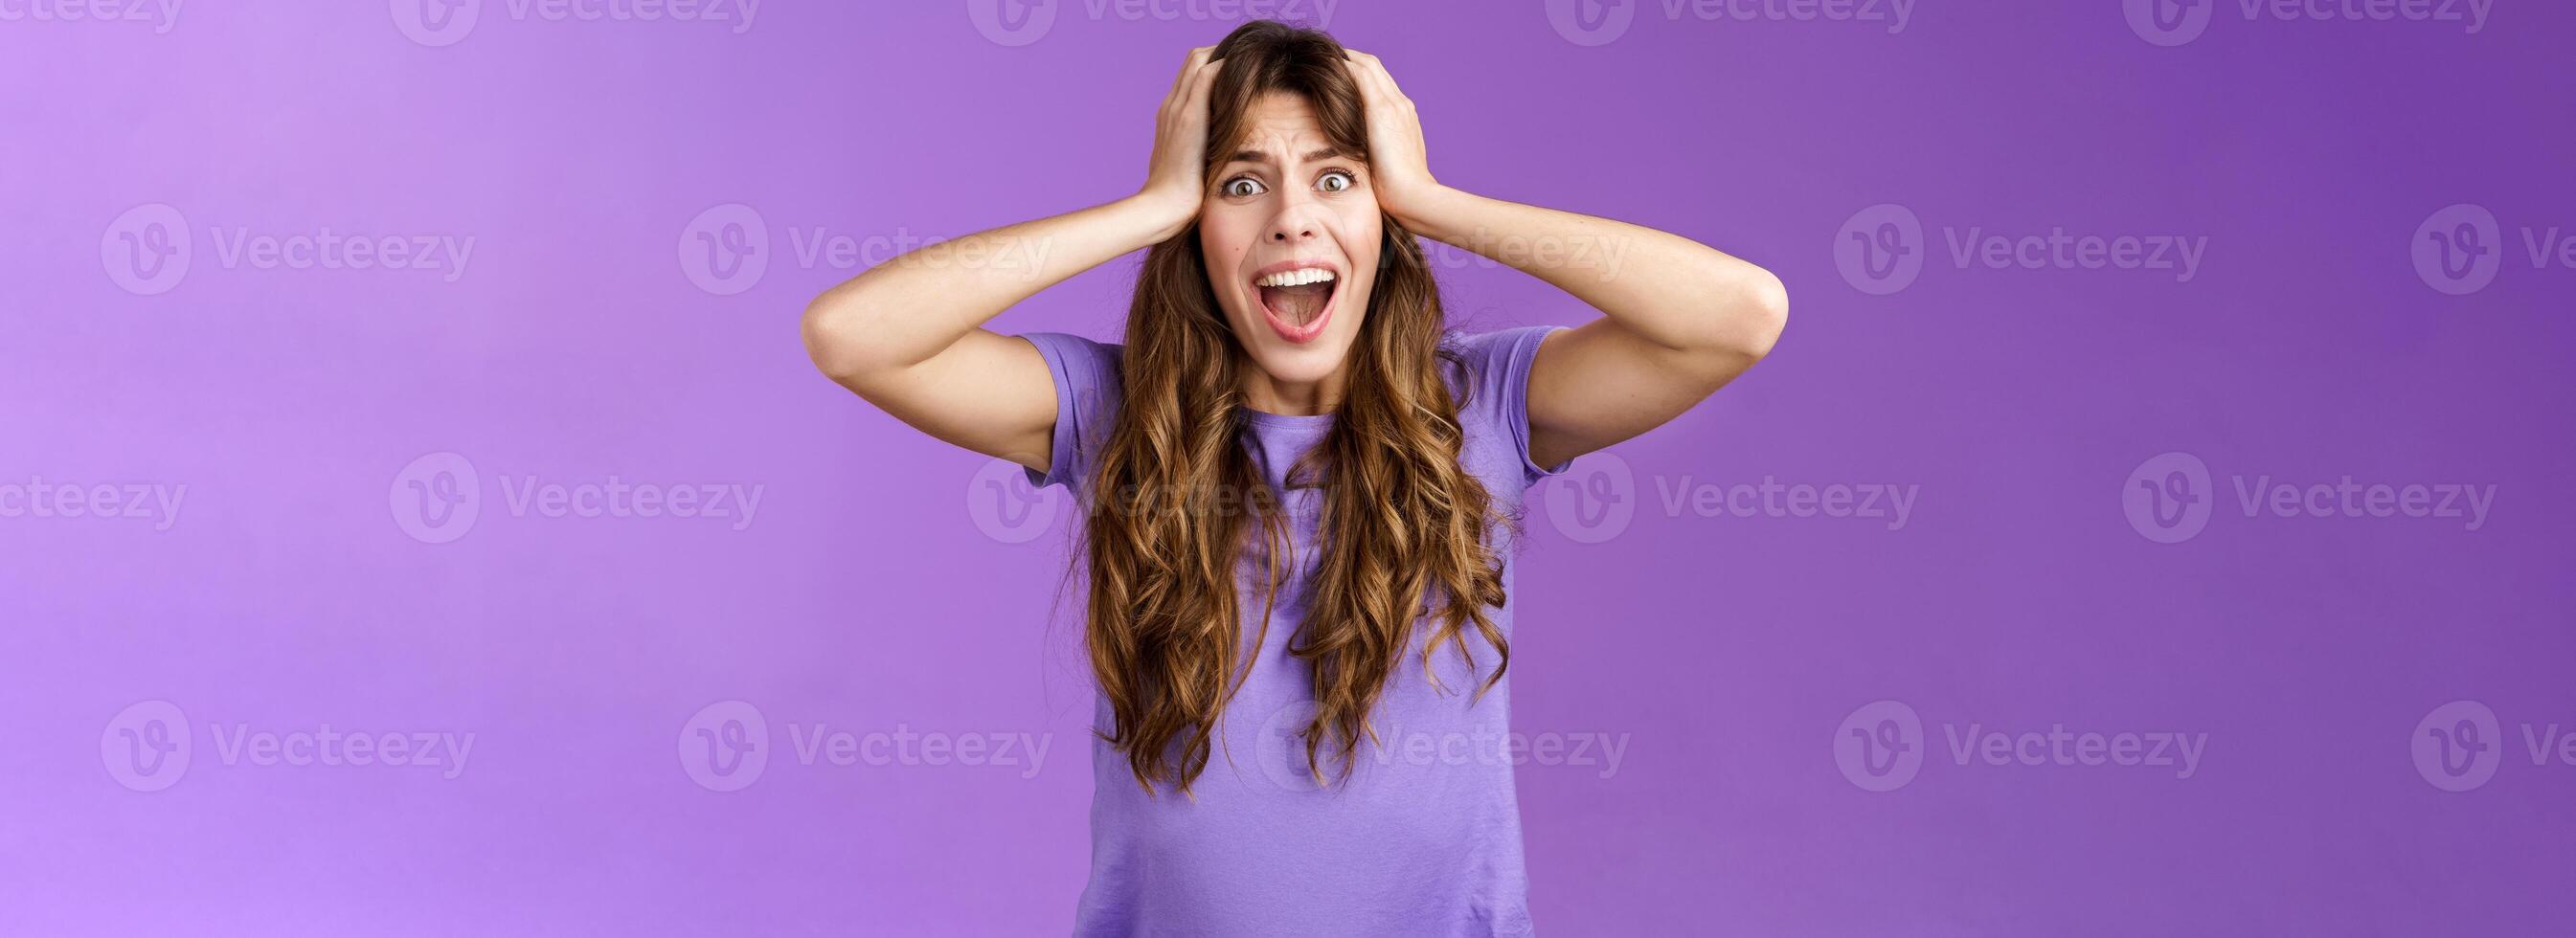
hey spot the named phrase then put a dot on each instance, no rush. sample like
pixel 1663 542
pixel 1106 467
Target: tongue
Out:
pixel 1299 304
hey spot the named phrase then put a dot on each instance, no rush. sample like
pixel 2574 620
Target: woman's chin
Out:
pixel 1299 362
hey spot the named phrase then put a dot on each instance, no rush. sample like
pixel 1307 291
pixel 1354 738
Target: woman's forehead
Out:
pixel 1282 128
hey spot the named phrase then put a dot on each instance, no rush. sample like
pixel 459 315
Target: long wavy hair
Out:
pixel 1402 527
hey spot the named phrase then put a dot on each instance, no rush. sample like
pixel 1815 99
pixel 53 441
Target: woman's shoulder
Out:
pixel 1491 371
pixel 1087 367
pixel 1088 388
pixel 1488 368
pixel 1076 349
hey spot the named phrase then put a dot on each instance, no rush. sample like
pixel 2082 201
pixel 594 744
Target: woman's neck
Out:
pixel 1268 394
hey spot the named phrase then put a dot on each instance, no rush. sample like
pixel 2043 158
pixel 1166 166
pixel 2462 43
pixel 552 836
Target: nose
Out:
pixel 1296 221
pixel 1289 228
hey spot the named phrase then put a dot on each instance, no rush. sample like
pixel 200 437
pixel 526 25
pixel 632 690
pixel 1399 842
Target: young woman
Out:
pixel 1300 487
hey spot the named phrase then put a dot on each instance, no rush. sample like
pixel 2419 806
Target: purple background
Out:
pixel 868 594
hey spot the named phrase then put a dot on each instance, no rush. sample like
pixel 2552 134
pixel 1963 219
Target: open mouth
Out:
pixel 1297 298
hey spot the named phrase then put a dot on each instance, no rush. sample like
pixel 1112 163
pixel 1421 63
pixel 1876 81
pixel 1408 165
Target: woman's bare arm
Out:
pixel 1679 319
pixel 908 334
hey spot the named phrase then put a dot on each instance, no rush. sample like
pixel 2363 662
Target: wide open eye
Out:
pixel 1242 187
pixel 1336 181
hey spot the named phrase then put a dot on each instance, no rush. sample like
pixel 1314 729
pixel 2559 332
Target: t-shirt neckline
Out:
pixel 1297 421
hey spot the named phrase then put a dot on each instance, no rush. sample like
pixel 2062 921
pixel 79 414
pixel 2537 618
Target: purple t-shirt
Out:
pixel 1424 837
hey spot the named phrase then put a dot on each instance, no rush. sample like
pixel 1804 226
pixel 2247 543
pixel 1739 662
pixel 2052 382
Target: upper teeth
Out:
pixel 1291 278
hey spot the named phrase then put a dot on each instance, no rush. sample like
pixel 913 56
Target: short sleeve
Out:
pixel 1498 364
pixel 1087 386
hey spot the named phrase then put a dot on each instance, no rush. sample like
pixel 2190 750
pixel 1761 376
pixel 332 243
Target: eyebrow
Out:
pixel 1255 156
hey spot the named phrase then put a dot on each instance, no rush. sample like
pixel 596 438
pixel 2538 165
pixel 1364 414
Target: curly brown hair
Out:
pixel 1403 527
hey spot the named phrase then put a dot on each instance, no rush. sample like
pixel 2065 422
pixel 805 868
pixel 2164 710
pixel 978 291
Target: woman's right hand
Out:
pixel 1173 180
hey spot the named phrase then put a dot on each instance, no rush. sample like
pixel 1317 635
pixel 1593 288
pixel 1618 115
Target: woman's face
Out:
pixel 1291 232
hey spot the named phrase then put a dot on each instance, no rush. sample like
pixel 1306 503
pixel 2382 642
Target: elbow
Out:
pixel 833 333
pixel 1747 323
pixel 1767 309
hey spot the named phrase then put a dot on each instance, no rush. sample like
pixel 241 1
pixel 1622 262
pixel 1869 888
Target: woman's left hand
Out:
pixel 1399 170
